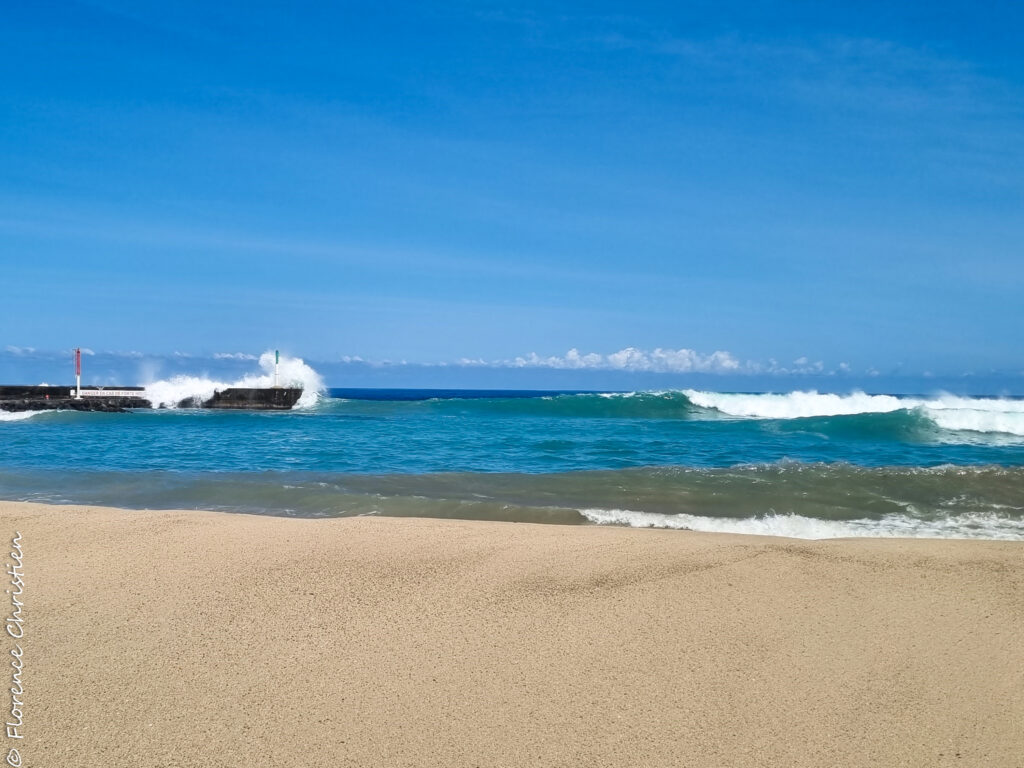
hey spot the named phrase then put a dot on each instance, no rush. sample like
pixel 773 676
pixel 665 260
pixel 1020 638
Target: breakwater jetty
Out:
pixel 45 398
pixel 118 399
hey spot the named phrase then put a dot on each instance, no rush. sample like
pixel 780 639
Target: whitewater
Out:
pixel 794 526
pixel 292 372
pixel 974 414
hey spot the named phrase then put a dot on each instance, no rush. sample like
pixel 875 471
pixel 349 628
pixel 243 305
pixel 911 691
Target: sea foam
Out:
pixel 971 525
pixel 19 415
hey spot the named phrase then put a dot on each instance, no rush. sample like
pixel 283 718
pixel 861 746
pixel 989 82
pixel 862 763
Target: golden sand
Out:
pixel 207 639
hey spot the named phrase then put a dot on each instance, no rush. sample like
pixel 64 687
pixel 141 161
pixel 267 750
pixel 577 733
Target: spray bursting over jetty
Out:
pixel 283 384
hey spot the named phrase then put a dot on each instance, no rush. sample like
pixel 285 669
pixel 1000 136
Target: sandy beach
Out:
pixel 208 639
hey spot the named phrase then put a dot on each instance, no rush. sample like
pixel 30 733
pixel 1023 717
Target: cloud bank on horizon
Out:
pixel 628 369
pixel 656 361
pixel 626 360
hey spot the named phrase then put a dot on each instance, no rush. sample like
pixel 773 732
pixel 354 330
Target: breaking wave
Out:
pixel 964 414
pixel 168 393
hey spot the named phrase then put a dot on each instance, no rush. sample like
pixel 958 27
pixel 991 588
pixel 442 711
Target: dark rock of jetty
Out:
pixel 248 399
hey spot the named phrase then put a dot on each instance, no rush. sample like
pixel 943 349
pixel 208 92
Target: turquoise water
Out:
pixel 799 464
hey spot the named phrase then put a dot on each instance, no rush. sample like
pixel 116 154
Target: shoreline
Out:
pixel 210 638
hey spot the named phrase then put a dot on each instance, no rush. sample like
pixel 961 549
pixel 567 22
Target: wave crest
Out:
pixel 19 415
pixel 971 414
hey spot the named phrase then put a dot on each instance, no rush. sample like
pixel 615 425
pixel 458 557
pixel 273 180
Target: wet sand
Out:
pixel 207 639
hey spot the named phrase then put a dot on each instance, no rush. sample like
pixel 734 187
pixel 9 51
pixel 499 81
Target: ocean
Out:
pixel 799 464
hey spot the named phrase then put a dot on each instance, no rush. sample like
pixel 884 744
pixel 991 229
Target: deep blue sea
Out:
pixel 796 464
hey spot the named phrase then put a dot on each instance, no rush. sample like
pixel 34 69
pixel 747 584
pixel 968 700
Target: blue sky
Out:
pixel 805 188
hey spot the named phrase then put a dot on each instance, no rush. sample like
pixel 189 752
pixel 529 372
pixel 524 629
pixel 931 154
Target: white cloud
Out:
pixel 19 350
pixel 233 356
pixel 633 359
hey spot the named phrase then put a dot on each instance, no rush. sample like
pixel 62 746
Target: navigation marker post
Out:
pixel 277 363
pixel 78 373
